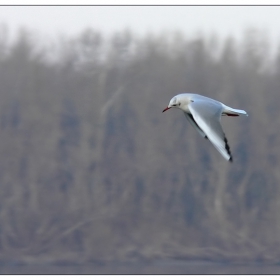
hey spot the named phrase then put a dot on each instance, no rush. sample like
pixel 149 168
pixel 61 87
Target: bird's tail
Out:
pixel 228 111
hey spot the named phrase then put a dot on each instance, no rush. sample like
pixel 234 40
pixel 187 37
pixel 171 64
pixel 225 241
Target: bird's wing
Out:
pixel 207 115
pixel 194 124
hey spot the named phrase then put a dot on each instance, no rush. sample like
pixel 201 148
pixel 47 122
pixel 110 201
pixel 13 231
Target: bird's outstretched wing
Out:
pixel 207 115
pixel 194 124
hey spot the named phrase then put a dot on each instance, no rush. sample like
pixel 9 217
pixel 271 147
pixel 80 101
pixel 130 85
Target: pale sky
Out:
pixel 70 20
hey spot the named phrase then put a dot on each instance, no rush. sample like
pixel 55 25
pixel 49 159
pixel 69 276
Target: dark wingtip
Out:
pixel 227 148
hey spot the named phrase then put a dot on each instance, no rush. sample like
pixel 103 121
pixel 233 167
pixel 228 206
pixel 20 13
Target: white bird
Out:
pixel 205 116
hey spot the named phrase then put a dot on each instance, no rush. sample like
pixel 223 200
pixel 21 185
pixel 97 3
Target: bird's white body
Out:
pixel 205 116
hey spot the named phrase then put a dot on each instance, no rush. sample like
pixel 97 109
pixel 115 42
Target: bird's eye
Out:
pixel 179 104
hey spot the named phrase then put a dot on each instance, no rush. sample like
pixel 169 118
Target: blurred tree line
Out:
pixel 90 169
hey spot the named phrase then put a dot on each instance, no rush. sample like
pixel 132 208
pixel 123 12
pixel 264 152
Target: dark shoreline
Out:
pixel 153 267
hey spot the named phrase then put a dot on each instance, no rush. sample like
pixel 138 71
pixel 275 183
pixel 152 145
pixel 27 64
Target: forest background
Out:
pixel 91 170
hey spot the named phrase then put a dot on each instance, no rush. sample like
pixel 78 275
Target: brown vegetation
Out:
pixel 90 169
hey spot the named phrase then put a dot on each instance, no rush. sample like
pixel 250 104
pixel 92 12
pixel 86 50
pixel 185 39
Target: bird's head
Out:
pixel 175 102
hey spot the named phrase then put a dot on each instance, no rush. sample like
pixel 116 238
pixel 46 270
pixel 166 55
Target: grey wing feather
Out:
pixel 194 124
pixel 207 116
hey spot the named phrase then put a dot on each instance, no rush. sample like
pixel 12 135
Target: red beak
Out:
pixel 167 108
